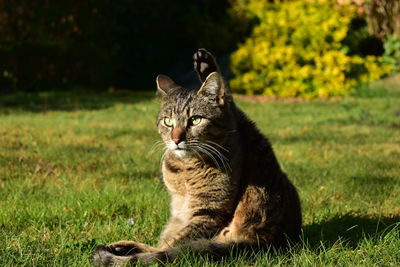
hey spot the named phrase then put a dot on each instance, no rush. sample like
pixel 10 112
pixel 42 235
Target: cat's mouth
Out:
pixel 181 149
pixel 182 152
pixel 180 146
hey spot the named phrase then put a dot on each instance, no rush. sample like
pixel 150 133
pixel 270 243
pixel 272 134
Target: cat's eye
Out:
pixel 195 120
pixel 168 122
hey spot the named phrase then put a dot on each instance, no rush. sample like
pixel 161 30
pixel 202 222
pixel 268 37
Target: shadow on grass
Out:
pixel 68 101
pixel 348 228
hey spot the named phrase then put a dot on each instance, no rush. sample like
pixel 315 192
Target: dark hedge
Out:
pixel 60 44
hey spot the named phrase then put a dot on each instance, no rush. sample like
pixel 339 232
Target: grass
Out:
pixel 74 167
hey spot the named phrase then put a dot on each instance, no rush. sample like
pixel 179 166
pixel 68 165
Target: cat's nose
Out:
pixel 177 140
pixel 178 135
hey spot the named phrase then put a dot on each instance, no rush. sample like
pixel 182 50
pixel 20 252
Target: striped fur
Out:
pixel 227 188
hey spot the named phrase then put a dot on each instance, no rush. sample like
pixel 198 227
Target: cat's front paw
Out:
pixel 105 256
pixel 124 248
pixel 102 256
pixel 204 63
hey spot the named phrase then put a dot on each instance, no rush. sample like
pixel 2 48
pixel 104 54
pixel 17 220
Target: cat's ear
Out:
pixel 165 85
pixel 214 87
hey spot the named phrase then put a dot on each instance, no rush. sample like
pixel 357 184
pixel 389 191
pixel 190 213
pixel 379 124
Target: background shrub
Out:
pixel 392 52
pixel 298 49
pixel 306 48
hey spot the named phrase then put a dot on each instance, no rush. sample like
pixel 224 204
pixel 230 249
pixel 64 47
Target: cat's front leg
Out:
pixel 198 227
pixel 170 231
pixel 105 256
pixel 160 257
pixel 119 253
pixel 130 247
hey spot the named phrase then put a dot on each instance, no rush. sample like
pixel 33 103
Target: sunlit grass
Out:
pixel 75 167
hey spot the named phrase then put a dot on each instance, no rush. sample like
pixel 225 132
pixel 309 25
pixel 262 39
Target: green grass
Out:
pixel 75 167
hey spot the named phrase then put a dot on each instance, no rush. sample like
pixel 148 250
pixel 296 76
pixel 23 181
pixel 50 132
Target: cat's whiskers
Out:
pixel 163 156
pixel 220 154
pixel 214 154
pixel 208 153
pixel 218 145
pixel 192 148
pixel 223 158
pixel 215 150
pixel 156 146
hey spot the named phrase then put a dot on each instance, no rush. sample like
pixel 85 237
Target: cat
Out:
pixel 226 186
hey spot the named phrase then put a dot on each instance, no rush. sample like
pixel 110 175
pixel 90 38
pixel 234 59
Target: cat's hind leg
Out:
pixel 204 64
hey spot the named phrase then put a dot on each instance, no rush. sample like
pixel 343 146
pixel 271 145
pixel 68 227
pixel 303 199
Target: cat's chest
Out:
pixel 180 207
pixel 178 175
pixel 174 180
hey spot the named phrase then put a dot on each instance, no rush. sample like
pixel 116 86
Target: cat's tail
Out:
pixel 103 256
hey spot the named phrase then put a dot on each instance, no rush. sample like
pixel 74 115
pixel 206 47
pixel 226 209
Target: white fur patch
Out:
pixel 180 207
pixel 180 152
pixel 203 66
pixel 171 145
pixel 179 149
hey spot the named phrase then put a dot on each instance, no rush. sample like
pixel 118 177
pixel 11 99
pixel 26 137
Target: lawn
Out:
pixel 78 169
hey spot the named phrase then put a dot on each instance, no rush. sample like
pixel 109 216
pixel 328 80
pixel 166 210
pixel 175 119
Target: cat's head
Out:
pixel 193 122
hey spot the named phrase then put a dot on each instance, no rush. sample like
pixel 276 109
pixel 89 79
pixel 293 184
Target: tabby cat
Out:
pixel 227 188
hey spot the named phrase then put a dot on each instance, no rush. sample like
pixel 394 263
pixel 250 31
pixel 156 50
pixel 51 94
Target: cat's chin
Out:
pixel 182 152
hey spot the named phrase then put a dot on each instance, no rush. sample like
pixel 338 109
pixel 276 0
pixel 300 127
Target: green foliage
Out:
pixel 392 51
pixel 297 50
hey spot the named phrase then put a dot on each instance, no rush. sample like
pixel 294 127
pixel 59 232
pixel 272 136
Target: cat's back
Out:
pixel 265 183
pixel 258 158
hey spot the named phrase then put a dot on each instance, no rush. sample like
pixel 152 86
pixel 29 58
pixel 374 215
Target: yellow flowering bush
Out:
pixel 296 50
